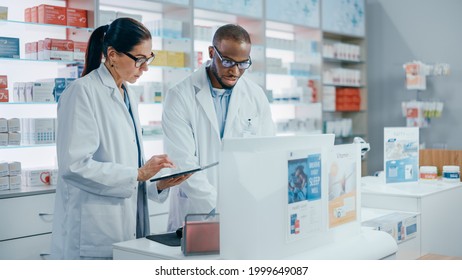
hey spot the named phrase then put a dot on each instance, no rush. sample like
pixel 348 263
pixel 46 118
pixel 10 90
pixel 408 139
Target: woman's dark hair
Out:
pixel 123 34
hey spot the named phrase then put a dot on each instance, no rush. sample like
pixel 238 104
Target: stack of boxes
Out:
pixel 341 99
pixel 10 175
pixel 47 91
pixel 10 132
pixel 49 14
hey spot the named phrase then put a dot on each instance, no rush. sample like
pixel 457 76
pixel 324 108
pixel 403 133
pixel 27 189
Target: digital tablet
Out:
pixel 182 172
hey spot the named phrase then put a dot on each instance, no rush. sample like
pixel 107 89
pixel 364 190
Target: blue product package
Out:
pixel 9 47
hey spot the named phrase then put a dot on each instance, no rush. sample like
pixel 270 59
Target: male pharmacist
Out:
pixel 213 103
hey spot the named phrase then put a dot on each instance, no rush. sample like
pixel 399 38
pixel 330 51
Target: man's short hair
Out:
pixel 231 32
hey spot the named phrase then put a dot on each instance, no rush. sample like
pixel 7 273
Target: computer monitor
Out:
pixel 254 196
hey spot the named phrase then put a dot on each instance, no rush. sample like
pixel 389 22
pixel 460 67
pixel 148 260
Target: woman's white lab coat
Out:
pixel 191 136
pixel 96 195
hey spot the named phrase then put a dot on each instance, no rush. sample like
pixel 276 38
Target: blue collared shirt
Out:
pixel 221 99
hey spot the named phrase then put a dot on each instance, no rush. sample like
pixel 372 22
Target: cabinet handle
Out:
pixel 45 254
pixel 45 214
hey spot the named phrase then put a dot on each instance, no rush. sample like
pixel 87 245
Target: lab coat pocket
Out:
pixel 248 123
pixel 101 226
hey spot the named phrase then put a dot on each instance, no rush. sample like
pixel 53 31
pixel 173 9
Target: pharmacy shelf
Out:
pixel 46 26
pixel 73 62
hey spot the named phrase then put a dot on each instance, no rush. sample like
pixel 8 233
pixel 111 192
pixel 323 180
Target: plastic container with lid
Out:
pixel 451 173
pixel 428 173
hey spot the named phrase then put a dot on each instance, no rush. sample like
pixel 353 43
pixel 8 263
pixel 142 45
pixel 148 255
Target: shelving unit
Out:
pixel 343 22
pixel 294 21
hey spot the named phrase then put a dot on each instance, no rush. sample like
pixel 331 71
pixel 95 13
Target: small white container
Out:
pixel 451 173
pixel 428 173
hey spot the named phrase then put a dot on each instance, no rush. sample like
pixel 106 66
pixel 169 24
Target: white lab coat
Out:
pixel 96 195
pixel 191 136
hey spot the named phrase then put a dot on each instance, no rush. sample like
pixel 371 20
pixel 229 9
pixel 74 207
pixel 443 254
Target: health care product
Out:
pixel 428 173
pixel 451 173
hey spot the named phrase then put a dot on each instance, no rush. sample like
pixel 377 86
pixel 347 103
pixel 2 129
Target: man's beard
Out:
pixel 213 68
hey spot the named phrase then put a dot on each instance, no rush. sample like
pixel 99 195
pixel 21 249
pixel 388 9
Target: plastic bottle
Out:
pixel 451 173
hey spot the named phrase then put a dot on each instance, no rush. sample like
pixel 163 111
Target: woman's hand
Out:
pixel 154 165
pixel 168 183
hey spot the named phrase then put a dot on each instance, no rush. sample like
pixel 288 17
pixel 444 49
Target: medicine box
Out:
pixel 77 17
pixel 9 47
pixel 58 49
pixel 3 125
pixel 15 182
pixel 4 95
pixel 4 183
pixel 4 171
pixel 3 13
pixel 43 92
pixel 79 50
pixel 27 15
pixel 14 125
pixel 176 59
pixel 14 168
pixel 36 177
pixel 3 81
pixel 34 14
pixel 3 139
pixel 31 49
pixel 42 131
pixel 161 58
pixel 400 225
pixel 51 14
pixel 14 138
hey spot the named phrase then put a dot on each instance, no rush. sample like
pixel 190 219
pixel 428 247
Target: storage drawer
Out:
pixel 28 248
pixel 26 215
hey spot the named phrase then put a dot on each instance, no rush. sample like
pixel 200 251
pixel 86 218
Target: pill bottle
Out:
pixel 451 173
pixel 428 173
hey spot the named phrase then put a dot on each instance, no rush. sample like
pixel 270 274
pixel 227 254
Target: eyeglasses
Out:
pixel 140 60
pixel 228 63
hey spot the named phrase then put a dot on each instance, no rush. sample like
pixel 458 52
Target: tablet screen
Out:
pixel 178 173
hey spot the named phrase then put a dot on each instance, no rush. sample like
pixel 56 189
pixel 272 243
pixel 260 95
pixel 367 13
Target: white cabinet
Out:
pixel 438 204
pixel 26 226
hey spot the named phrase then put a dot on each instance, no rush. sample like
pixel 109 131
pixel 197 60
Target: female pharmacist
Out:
pixel 101 196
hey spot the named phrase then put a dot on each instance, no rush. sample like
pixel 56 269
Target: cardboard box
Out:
pixel 27 15
pixel 31 50
pixel 43 92
pixel 57 49
pixel 175 59
pixel 14 138
pixel 3 139
pixel 3 125
pixel 34 14
pixel 41 131
pixel 3 81
pixel 15 182
pixel 9 47
pixel 4 183
pixel 4 96
pixel 51 14
pixel 14 125
pixel 4 171
pixel 36 177
pixel 161 58
pixel 79 50
pixel 14 168
pixel 3 13
pixel 77 17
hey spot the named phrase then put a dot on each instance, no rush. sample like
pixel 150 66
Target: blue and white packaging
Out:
pixel 9 47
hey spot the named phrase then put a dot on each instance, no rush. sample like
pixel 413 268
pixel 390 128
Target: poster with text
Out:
pixel 343 179
pixel 401 154
pixel 304 194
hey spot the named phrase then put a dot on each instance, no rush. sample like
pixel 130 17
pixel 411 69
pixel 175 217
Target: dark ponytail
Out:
pixel 123 34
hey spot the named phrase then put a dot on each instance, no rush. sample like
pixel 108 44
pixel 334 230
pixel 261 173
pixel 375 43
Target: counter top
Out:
pixel 25 191
pixel 375 185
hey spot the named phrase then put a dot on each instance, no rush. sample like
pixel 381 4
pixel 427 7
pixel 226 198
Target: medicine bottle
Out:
pixel 428 173
pixel 451 173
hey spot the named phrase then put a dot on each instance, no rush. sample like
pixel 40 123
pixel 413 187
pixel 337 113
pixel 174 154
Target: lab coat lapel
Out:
pixel 108 80
pixel 204 97
pixel 233 108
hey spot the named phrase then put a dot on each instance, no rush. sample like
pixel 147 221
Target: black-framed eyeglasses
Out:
pixel 140 60
pixel 228 63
